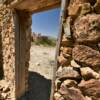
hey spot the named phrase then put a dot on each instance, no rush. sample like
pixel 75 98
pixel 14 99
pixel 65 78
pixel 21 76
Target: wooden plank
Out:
pixel 23 40
pixel 46 8
pixel 17 55
pixel 22 53
pixel 63 15
pixel 20 45
pixel 45 5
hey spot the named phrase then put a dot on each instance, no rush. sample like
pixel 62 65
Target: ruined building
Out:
pixel 77 74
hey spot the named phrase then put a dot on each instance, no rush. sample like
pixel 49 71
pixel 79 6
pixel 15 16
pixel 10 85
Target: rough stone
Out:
pixel 86 55
pixel 99 46
pixel 91 88
pixel 67 56
pixel 87 29
pixel 67 27
pixel 71 93
pixel 97 7
pixel 4 96
pixel 88 98
pixel 67 50
pixel 69 83
pixel 74 10
pixel 57 84
pixel 66 41
pixel 59 70
pixel 87 73
pixel 5 90
pixel 74 64
pixel 85 8
pixel 58 96
pixel 68 72
pixel 63 61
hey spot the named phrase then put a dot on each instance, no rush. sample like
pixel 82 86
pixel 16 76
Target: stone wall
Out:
pixel 7 52
pixel 78 74
pixel 15 43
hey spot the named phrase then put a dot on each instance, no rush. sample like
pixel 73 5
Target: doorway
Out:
pixel 23 44
pixel 45 28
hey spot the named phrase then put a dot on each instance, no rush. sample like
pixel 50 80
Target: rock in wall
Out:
pixel 78 74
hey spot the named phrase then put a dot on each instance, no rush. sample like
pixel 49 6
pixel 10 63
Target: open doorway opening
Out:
pixel 45 28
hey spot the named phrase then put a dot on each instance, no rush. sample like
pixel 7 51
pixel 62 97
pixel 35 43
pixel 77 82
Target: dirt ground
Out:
pixel 42 60
pixel 40 72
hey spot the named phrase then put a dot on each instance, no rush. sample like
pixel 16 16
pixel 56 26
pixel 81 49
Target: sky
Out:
pixel 46 23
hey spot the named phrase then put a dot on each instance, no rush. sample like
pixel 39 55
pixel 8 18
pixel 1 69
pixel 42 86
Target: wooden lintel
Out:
pixel 35 6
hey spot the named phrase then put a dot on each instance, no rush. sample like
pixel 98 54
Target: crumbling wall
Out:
pixel 78 74
pixel 7 52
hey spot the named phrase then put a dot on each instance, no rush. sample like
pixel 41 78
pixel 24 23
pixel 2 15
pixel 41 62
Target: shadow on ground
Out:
pixel 39 87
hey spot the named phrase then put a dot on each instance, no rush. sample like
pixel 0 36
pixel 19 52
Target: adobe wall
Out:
pixel 78 73
pixel 14 71
pixel 7 52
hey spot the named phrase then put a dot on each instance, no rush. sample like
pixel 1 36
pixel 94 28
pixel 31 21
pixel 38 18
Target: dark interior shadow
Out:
pixel 39 87
pixel 1 58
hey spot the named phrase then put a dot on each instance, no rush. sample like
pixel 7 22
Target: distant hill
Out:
pixel 39 39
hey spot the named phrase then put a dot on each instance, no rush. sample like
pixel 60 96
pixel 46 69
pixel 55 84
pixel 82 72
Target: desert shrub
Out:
pixel 46 41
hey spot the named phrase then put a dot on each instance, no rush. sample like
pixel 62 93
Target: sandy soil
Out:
pixel 42 60
pixel 40 72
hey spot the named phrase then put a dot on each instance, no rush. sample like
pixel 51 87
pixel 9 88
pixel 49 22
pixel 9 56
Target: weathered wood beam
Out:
pixel 35 6
pixel 45 8
pixel 63 14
